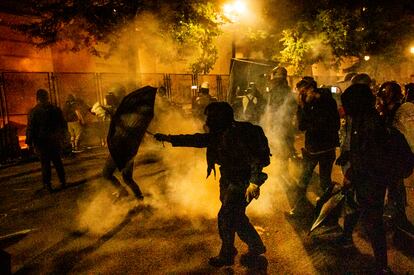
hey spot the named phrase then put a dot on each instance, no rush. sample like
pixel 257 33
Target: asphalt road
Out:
pixel 86 229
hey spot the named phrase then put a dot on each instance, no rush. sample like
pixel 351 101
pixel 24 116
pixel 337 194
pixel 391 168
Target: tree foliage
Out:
pixel 333 30
pixel 83 24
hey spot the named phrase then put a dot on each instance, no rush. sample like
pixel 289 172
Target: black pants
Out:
pixel 50 154
pixel 232 219
pixel 397 200
pixel 325 161
pixel 370 194
pixel 127 173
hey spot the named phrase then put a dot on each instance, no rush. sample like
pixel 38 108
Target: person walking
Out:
pixel 73 115
pixel 241 150
pixel 45 132
pixel 370 170
pixel 396 116
pixel 114 99
pixel 318 117
pixel 281 114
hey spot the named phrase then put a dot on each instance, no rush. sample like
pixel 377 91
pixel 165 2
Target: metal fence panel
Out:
pixel 18 92
pixel 181 88
pixel 20 95
pixel 155 80
pixel 82 85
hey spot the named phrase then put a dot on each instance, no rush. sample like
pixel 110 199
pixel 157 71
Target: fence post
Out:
pixel 219 88
pixel 3 107
pixel 167 82
pixel 194 82
pixel 52 89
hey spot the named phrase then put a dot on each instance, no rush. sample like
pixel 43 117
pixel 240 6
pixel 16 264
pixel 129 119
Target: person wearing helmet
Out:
pixel 73 116
pixel 241 151
pixel 399 116
pixel 202 100
pixel 281 108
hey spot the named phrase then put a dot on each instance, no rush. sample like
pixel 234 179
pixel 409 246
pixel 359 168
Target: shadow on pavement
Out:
pixel 326 257
pixel 67 260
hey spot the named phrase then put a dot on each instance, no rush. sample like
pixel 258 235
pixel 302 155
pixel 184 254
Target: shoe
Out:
pixel 252 257
pixel 220 261
pixel 255 251
pixel 49 188
pixel 139 197
pixel 345 242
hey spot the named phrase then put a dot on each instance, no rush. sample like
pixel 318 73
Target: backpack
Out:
pixel 401 158
pixel 258 145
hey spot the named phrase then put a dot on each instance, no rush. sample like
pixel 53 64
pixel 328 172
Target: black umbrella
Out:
pixel 129 124
pixel 331 204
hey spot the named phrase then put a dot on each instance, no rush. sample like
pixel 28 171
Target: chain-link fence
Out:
pixel 18 96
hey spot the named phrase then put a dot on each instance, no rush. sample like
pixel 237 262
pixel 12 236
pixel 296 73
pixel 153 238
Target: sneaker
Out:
pixel 252 258
pixel 220 261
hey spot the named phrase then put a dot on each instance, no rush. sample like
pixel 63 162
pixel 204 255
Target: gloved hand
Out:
pixel 162 137
pixel 252 192
pixel 342 159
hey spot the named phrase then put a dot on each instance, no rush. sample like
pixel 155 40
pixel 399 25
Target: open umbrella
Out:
pixel 129 124
pixel 331 204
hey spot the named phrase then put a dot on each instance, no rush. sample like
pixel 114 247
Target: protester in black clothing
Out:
pixel 241 150
pixel 113 99
pixel 390 95
pixel 370 169
pixel 318 117
pixel 46 128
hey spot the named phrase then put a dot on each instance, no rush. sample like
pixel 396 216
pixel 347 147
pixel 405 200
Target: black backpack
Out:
pixel 258 144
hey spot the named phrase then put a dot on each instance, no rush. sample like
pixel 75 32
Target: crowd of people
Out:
pixel 375 143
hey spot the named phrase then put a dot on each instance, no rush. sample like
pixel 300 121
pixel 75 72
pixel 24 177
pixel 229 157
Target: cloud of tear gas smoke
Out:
pixel 176 186
pixel 272 193
pixel 101 212
pixel 189 194
pixel 184 191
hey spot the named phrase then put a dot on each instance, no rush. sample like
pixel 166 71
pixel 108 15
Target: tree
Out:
pixel 302 32
pixel 380 29
pixel 83 24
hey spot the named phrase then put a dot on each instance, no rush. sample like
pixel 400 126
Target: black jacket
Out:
pixel 239 150
pixel 46 125
pixel 320 121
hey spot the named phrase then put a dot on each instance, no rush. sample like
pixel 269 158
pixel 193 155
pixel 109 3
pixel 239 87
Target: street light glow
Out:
pixel 412 50
pixel 234 10
pixel 240 7
pixel 367 57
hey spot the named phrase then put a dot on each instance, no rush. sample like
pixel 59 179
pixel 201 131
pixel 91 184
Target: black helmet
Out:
pixel 393 93
pixel 279 72
pixel 220 116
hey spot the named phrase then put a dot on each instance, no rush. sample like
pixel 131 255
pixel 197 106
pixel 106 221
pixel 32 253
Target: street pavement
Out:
pixel 87 229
